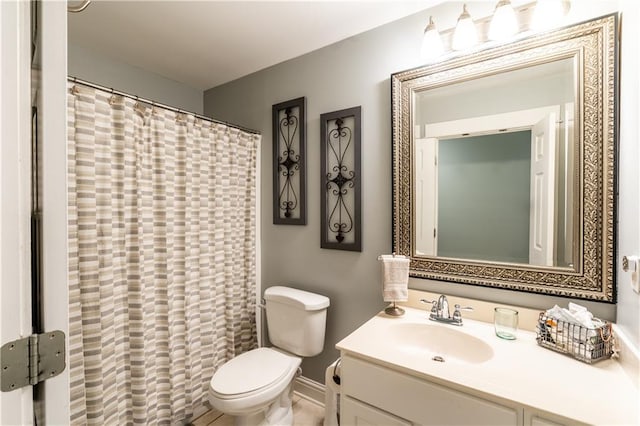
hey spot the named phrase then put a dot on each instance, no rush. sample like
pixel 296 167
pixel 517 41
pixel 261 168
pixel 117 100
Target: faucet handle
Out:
pixel 434 304
pixel 462 308
pixel 457 316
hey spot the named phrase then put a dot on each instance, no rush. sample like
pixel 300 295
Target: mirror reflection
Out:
pixel 494 167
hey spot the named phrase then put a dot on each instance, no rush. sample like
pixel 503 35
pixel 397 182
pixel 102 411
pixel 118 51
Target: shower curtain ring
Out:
pixel 112 98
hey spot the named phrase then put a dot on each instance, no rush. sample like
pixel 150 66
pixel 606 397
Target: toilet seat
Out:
pixel 252 379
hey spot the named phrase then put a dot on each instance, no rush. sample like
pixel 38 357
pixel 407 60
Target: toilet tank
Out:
pixel 296 320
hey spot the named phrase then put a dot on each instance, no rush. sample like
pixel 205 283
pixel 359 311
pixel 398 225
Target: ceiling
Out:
pixel 207 43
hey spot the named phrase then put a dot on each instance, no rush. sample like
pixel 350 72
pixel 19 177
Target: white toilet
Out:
pixel 256 386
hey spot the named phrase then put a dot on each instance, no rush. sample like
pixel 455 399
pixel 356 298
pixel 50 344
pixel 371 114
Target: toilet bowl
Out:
pixel 256 387
pixel 251 383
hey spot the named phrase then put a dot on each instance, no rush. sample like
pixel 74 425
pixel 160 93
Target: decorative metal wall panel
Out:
pixel 340 180
pixel 289 180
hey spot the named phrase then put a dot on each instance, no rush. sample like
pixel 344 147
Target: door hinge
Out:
pixel 31 360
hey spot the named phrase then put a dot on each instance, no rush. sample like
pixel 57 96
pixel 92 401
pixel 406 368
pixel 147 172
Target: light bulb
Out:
pixel 547 14
pixel 504 23
pixel 464 35
pixel 431 42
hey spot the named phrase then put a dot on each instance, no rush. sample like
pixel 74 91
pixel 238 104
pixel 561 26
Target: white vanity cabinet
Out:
pixel 373 394
pixel 377 395
pixel 391 375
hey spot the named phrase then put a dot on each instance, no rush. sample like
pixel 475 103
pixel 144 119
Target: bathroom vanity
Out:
pixel 409 370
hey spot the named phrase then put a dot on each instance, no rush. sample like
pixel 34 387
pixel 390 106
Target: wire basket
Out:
pixel 585 344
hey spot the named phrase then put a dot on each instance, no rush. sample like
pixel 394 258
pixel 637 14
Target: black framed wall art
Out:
pixel 289 162
pixel 340 169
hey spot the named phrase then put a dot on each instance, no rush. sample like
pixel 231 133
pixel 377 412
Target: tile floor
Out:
pixel 305 413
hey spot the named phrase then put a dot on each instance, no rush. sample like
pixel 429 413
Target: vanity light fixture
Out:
pixel 548 14
pixel 503 23
pixel 431 42
pixel 464 35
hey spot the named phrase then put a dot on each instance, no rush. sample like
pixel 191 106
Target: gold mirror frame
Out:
pixel 595 45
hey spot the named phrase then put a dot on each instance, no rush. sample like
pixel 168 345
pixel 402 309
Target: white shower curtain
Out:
pixel 161 209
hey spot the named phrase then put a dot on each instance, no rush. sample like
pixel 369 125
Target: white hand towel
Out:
pixel 395 278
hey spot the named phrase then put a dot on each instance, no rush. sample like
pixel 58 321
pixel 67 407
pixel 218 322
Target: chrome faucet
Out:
pixel 440 311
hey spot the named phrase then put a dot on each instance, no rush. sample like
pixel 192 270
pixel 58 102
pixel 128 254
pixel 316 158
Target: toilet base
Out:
pixel 279 412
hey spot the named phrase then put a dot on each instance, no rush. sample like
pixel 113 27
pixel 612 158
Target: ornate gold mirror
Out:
pixel 504 167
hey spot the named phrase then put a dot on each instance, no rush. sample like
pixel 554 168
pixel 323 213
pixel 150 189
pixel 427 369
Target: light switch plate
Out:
pixel 631 265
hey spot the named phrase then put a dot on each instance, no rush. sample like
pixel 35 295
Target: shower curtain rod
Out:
pixel 154 103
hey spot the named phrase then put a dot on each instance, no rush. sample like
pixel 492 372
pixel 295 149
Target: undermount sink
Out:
pixel 441 343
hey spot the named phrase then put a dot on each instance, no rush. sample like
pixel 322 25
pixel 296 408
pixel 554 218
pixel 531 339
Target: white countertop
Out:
pixel 520 370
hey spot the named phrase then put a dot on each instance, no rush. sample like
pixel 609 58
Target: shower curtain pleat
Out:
pixel 161 210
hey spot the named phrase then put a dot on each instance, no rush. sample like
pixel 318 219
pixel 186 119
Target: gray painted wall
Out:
pixel 90 66
pixel 628 241
pixel 483 197
pixel 356 72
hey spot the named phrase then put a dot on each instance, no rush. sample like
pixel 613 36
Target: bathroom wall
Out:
pixel 91 66
pixel 629 189
pixel 355 72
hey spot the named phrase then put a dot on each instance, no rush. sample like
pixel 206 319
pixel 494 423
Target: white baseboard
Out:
pixel 309 390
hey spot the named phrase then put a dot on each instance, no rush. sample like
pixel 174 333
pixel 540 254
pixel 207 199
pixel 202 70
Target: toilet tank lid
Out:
pixel 300 298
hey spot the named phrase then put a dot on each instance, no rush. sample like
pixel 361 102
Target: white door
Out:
pixel 569 131
pixel 16 407
pixel 15 156
pixel 426 196
pixel 542 194
pixel 53 121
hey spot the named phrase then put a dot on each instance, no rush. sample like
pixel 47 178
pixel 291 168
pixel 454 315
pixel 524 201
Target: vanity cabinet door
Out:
pixel 354 413
pixel 421 401
pixel 536 418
